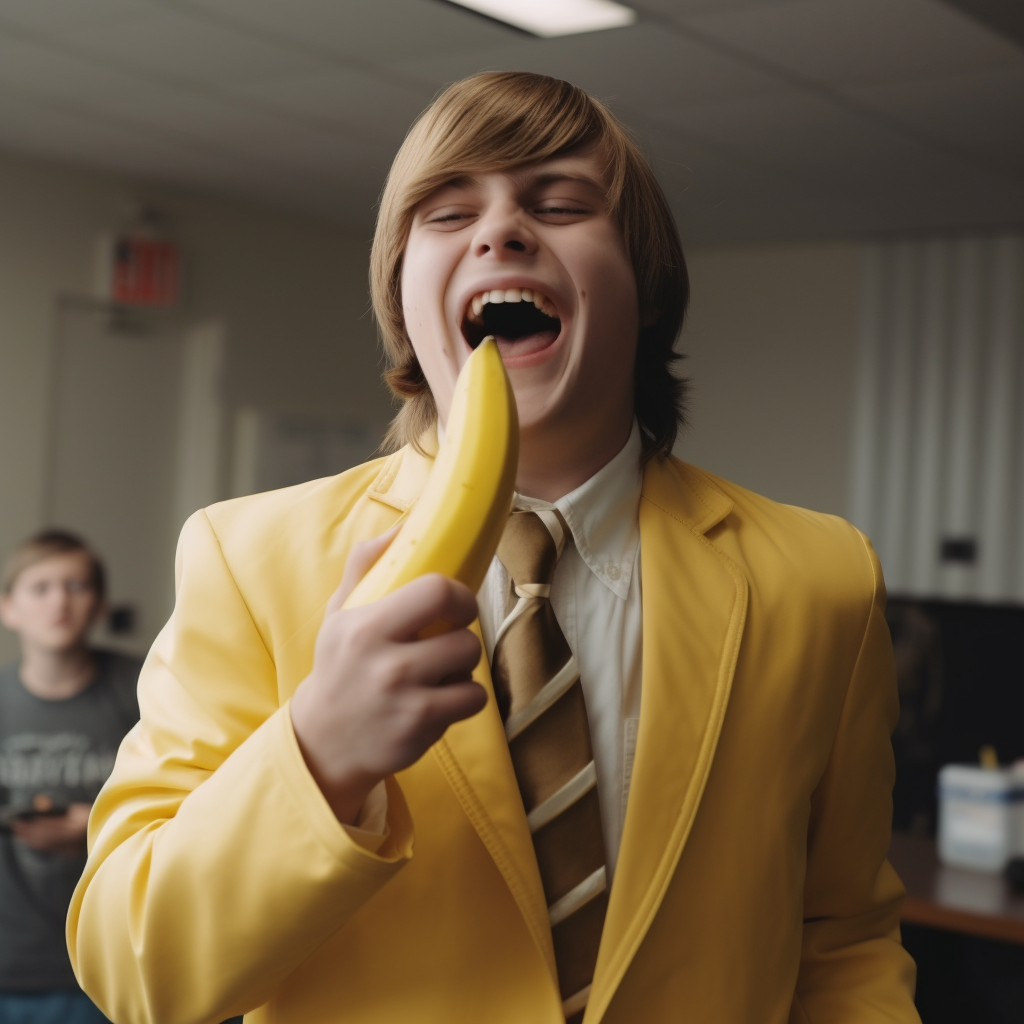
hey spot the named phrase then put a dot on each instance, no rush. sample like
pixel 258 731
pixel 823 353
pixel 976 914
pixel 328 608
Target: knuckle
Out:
pixel 341 636
pixel 423 713
pixel 468 646
pixel 464 602
pixel 357 625
pixel 415 714
pixel 436 587
pixel 396 673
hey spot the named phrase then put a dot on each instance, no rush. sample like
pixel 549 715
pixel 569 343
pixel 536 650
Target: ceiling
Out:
pixel 766 119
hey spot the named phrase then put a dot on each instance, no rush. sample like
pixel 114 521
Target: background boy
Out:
pixel 254 850
pixel 64 708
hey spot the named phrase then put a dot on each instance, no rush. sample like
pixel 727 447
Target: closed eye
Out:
pixel 561 213
pixel 448 218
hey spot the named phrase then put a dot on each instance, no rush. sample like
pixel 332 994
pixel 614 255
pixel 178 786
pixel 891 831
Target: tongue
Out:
pixel 526 345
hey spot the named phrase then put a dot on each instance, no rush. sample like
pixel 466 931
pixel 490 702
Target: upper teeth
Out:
pixel 495 295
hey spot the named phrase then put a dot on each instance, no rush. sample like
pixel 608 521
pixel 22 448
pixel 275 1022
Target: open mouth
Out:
pixel 521 317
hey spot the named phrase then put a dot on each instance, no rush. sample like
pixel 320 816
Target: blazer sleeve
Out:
pixel 216 866
pixel 854 969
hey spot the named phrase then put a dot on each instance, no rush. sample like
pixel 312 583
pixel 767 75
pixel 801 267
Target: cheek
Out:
pixel 614 314
pixel 423 283
pixel 425 275
pixel 619 281
pixel 407 283
pixel 425 269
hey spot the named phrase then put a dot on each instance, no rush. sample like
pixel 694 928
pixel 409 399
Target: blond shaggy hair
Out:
pixel 497 121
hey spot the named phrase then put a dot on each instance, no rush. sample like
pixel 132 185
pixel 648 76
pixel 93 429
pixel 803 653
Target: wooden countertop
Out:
pixel 953 898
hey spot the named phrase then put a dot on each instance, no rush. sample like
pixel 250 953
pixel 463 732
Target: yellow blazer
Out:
pixel 751 887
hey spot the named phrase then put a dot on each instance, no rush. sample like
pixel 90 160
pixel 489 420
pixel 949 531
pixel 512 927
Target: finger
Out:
pixel 441 659
pixel 360 559
pixel 457 701
pixel 423 602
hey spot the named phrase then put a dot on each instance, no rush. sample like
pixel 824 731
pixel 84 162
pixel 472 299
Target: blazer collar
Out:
pixel 403 475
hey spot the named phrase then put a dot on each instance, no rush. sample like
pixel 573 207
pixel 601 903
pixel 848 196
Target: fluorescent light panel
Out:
pixel 551 18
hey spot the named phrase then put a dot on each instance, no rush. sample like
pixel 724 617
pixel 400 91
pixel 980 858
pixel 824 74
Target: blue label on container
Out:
pixel 948 792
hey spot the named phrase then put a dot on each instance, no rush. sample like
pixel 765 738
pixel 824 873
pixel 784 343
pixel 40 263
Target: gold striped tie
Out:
pixel 538 689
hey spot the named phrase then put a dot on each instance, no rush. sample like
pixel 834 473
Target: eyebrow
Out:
pixel 470 181
pixel 558 177
pixel 462 181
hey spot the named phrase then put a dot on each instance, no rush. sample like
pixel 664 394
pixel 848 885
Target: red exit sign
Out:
pixel 141 271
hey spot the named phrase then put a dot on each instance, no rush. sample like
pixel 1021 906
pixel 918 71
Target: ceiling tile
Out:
pixel 632 66
pixel 36 67
pixel 675 8
pixel 1003 16
pixel 693 168
pixel 174 45
pixel 219 125
pixel 752 215
pixel 344 98
pixel 363 30
pixel 64 14
pixel 842 42
pixel 816 140
pixel 772 213
pixel 982 111
pixel 972 202
pixel 69 135
pixel 715 196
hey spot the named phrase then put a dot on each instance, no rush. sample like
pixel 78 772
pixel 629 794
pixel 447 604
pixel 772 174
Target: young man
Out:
pixel 64 709
pixel 325 819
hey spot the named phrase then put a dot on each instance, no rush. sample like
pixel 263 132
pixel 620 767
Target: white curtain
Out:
pixel 938 445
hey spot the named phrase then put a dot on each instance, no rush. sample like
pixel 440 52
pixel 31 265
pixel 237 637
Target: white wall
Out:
pixel 770 344
pixel 290 292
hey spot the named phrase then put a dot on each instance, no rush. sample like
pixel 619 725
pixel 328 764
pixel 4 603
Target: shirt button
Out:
pixel 613 572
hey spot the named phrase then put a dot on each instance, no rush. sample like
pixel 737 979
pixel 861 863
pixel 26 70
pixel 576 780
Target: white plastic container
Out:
pixel 979 812
pixel 1017 807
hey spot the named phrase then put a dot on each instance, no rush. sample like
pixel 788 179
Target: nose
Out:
pixel 502 233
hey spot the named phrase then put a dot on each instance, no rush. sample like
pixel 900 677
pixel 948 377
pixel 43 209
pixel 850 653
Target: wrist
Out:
pixel 344 786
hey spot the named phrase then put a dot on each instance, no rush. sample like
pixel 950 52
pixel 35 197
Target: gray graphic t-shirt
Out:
pixel 62 751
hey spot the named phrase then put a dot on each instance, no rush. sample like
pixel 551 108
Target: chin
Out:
pixel 62 643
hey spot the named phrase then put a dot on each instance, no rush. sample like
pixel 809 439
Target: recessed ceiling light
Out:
pixel 550 18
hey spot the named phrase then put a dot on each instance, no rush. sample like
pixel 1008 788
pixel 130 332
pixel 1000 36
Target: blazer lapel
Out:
pixel 694 605
pixel 473 754
pixel 474 757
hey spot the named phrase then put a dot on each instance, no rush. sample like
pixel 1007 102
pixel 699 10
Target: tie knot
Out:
pixel 531 545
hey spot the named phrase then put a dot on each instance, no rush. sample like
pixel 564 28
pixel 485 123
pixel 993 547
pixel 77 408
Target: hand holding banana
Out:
pixel 393 661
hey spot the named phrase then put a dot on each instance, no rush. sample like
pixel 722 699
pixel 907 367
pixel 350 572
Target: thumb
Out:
pixel 360 560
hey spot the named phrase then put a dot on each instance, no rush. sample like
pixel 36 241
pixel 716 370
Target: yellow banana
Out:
pixel 455 526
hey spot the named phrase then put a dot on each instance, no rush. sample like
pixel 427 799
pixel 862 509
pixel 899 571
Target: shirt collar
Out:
pixel 602 515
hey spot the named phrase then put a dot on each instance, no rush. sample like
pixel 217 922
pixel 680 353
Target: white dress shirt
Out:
pixel 596 598
pixel 595 595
